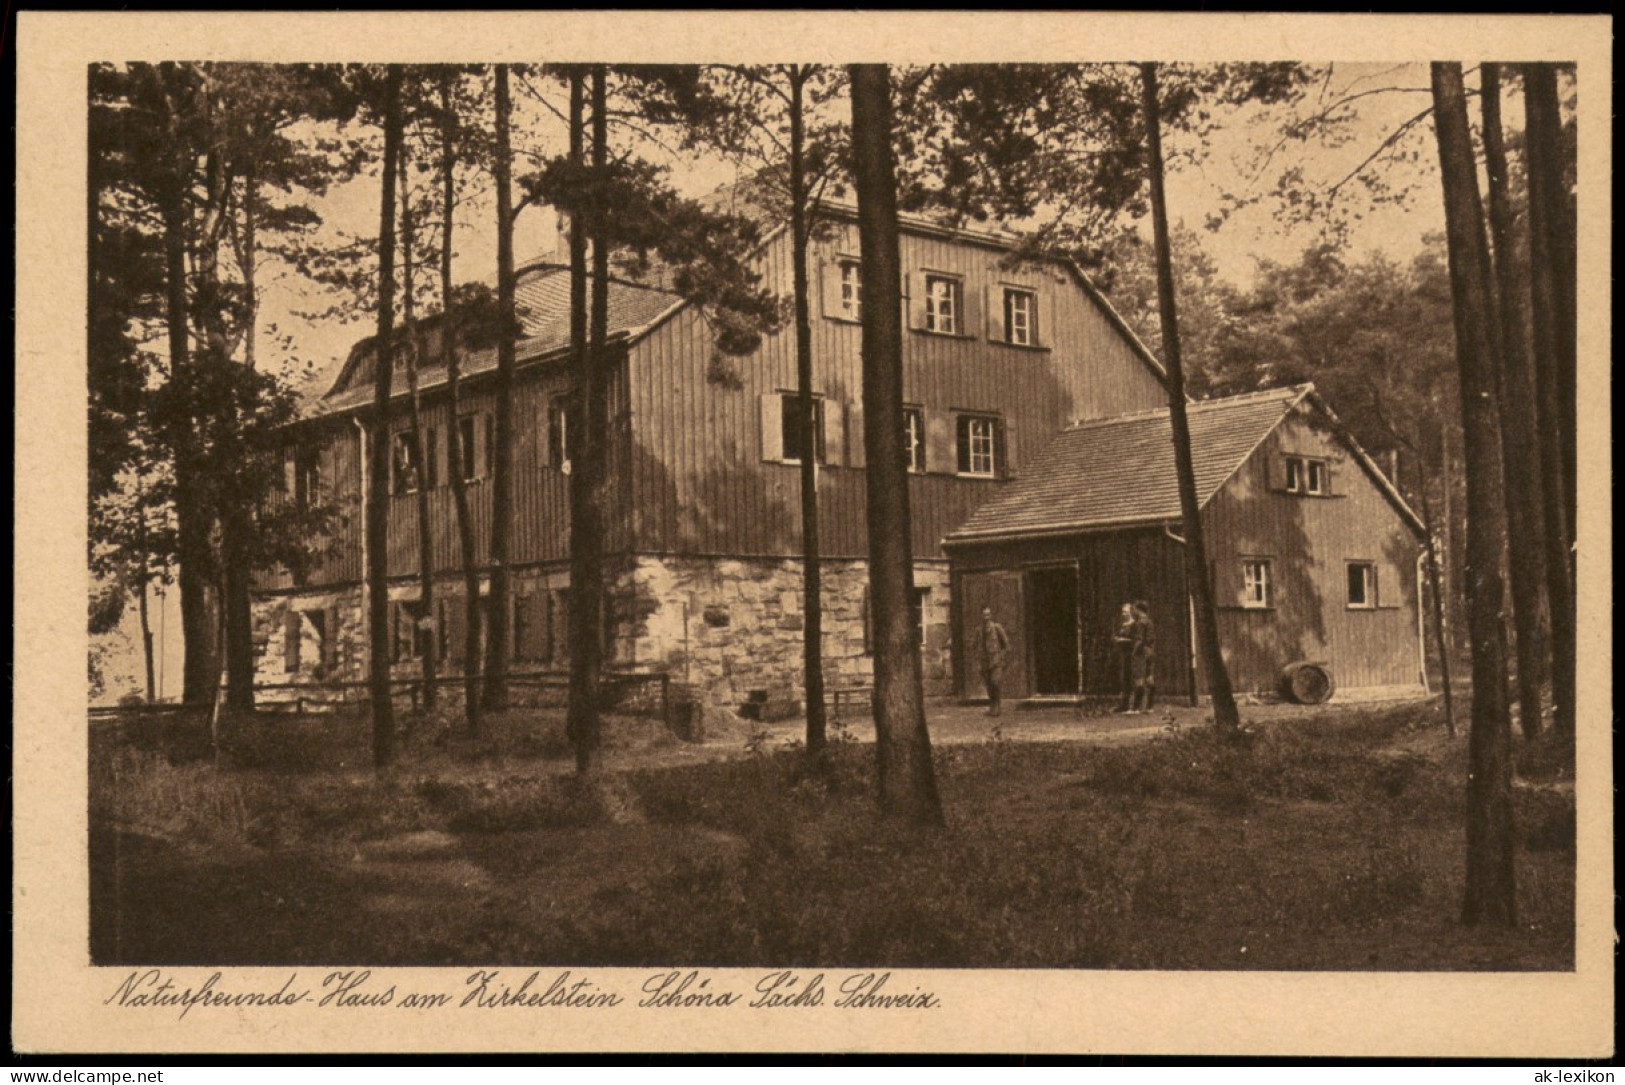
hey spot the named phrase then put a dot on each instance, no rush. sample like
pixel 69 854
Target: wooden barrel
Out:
pixel 1307 682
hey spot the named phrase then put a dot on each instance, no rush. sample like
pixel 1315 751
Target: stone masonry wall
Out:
pixel 733 626
pixel 727 627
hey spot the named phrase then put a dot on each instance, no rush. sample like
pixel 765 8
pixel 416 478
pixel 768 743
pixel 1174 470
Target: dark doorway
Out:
pixel 1052 604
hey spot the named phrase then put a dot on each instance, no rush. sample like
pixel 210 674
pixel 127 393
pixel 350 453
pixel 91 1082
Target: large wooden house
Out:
pixel 1001 356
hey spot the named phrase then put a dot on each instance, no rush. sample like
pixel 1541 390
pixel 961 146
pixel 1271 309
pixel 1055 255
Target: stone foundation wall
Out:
pixel 733 626
pixel 725 627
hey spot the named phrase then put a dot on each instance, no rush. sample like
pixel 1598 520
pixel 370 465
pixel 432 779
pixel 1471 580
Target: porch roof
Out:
pixel 1119 471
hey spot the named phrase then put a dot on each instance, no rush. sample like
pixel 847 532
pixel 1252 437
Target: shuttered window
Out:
pixel 978 445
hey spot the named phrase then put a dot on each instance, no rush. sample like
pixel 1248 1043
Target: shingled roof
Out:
pixel 542 295
pixel 1120 471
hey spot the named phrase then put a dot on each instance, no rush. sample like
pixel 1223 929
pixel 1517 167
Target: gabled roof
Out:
pixel 1118 472
pixel 542 292
pixel 542 295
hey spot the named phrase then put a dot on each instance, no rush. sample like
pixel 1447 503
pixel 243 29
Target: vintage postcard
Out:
pixel 930 532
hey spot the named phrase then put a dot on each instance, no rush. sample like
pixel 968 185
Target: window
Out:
pixel 1362 585
pixel 914 438
pixel 942 305
pixel 1020 317
pixel 1257 590
pixel 851 289
pixel 558 433
pixel 404 468
pixel 307 478
pixel 978 445
pixel 412 631
pixel 916 613
pixel 1306 476
pixel 468 445
pixel 790 428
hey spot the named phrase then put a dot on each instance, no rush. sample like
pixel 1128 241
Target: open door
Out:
pixel 1002 593
pixel 1052 611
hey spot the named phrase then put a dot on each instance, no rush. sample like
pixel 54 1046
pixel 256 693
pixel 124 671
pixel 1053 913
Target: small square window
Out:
pixel 790 428
pixel 1362 585
pixel 1020 317
pixel 942 305
pixel 1257 587
pixel 978 445
pixel 1307 476
pixel 914 438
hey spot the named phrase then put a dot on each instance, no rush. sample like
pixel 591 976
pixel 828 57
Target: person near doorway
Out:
pixel 995 653
pixel 1123 655
pixel 1144 655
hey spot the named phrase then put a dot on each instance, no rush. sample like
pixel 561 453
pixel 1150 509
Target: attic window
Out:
pixel 1307 476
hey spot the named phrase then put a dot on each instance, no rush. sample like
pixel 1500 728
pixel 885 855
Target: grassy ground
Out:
pixel 1333 842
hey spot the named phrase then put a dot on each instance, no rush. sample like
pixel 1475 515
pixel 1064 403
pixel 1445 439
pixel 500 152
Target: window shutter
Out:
pixel 1389 590
pixel 290 472
pixel 291 623
pixel 829 278
pixel 561 626
pixel 543 620
pixel 856 452
pixel 1043 300
pixel 456 628
pixel 547 440
pixel 914 300
pixel 970 302
pixel 1009 461
pixel 993 311
pixel 941 452
pixel 330 642
pixel 772 427
pixel 522 632
pixel 833 415
pixel 489 449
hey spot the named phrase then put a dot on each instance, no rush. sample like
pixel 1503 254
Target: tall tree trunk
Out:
pixel 591 387
pixel 199 603
pixel 143 581
pixel 424 634
pixel 1491 892
pixel 378 631
pixel 1226 717
pixel 1554 364
pixel 1520 442
pixel 249 261
pixel 908 786
pixel 497 613
pixel 812 604
pixel 1436 587
pixel 454 446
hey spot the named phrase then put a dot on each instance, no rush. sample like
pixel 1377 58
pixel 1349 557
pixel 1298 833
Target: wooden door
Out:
pixel 1001 592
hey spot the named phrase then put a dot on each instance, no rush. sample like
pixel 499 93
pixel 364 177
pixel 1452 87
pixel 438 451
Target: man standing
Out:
pixel 1123 655
pixel 1144 653
pixel 995 653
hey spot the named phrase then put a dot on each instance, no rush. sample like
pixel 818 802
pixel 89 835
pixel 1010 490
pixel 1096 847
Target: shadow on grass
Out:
pixel 1329 844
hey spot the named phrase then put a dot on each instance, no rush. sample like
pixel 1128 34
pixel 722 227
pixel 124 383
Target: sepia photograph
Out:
pixel 696 533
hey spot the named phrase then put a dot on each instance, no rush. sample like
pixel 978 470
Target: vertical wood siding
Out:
pixel 700 484
pixel 1309 541
pixel 541 489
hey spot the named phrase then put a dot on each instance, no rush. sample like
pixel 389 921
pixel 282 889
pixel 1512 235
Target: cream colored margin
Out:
pixel 58 999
